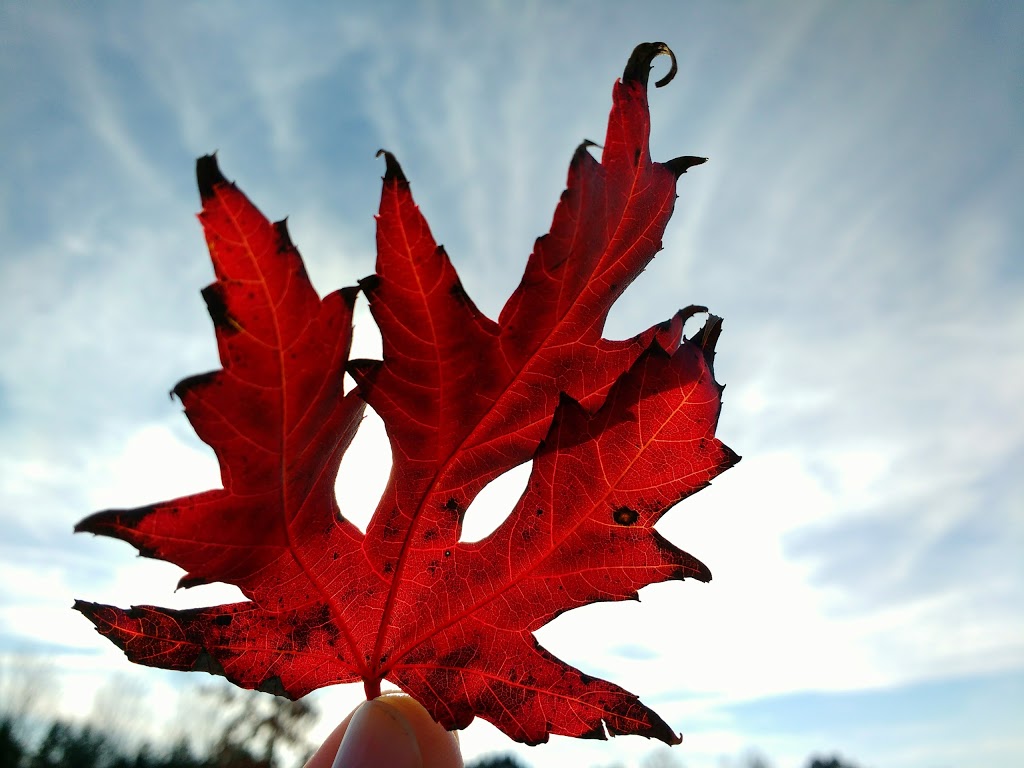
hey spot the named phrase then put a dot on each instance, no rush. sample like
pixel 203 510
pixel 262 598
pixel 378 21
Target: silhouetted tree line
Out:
pixel 829 762
pixel 226 728
pixel 81 746
pixel 65 745
pixel 255 732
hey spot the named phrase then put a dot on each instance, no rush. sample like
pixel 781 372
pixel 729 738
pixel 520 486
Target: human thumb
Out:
pixel 394 731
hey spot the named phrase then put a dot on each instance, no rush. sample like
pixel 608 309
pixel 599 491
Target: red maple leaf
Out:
pixel 618 431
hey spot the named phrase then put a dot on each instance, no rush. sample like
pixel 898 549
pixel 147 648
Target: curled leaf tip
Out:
pixel 392 169
pixel 638 68
pixel 707 338
pixel 679 165
pixel 582 148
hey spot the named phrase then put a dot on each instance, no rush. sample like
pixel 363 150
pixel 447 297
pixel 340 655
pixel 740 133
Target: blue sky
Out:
pixel 858 227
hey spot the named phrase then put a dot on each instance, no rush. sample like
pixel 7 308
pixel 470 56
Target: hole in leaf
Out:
pixel 364 472
pixel 694 324
pixel 494 503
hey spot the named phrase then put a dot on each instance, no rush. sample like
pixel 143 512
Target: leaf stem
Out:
pixel 372 688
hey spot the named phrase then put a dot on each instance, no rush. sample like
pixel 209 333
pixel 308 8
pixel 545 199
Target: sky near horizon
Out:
pixel 858 226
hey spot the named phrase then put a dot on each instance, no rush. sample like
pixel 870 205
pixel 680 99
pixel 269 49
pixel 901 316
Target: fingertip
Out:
pixel 402 723
pixel 439 748
pixel 378 735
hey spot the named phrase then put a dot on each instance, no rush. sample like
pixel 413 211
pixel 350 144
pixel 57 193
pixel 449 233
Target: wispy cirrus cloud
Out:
pixel 856 226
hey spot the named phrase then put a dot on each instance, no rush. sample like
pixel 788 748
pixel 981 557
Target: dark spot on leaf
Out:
pixel 625 516
pixel 369 284
pixel 208 176
pixel 300 633
pixel 430 534
pixel 462 656
pixel 223 620
pixel 284 239
pixel 135 613
pixel 457 292
pixel 447 553
pixel 540 513
pixel 348 295
pixel 217 306
pixel 206 663
pixel 188 581
pixel 392 170
pixel 273 685
pixel 388 567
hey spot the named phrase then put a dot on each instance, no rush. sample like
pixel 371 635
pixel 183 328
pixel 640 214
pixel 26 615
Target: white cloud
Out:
pixel 855 227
